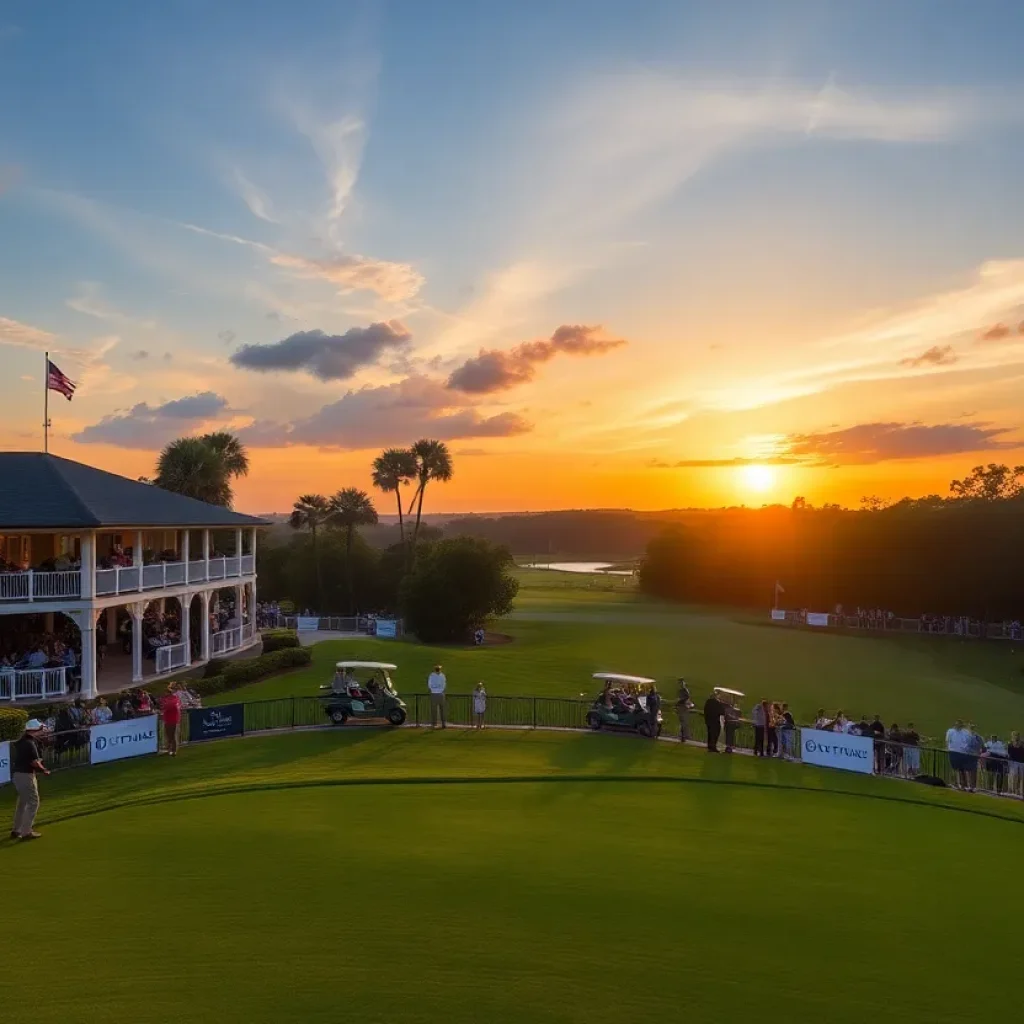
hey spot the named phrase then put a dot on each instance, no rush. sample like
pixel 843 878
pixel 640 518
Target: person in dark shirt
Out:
pixel 911 752
pixel 876 730
pixel 26 763
pixel 1015 752
pixel 713 711
pixel 684 705
pixel 653 707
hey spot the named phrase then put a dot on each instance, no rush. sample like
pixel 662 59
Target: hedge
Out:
pixel 234 674
pixel 12 723
pixel 279 640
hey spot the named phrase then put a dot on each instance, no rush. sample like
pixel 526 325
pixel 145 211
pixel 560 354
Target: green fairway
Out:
pixel 563 631
pixel 203 889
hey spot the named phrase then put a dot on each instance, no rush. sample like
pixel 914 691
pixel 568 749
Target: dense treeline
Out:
pixel 947 557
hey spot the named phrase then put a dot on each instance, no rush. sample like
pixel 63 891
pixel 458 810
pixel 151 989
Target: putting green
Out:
pixel 208 897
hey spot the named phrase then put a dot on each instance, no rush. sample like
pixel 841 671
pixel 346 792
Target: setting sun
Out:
pixel 757 478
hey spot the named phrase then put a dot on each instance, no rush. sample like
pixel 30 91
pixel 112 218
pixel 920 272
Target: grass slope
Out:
pixel 528 902
pixel 564 631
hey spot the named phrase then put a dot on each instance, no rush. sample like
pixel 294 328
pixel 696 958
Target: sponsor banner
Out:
pixel 778 615
pixel 116 740
pixel 307 623
pixel 817 618
pixel 214 723
pixel 837 750
pixel 387 628
pixel 5 762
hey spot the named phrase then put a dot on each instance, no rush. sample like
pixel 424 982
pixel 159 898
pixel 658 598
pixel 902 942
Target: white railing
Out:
pixel 248 632
pixel 226 640
pixel 32 683
pixel 40 586
pixel 160 575
pixel 172 657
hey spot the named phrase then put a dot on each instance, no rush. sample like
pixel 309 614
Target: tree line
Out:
pixel 444 588
pixel 956 555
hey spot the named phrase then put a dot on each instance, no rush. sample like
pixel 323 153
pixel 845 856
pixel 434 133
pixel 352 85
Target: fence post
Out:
pixel 417 710
pixel 293 712
pixel 535 712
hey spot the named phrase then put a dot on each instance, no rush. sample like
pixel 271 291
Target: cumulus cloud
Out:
pixel 327 356
pixel 24 335
pixel 389 415
pixel 869 443
pixel 148 427
pixel 494 370
pixel 393 282
pixel 937 355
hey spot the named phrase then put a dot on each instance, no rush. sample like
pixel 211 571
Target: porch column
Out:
pixel 252 546
pixel 48 622
pixel 185 552
pixel 204 605
pixel 136 610
pixel 87 544
pixel 206 552
pixel 238 544
pixel 111 626
pixel 137 555
pixel 238 604
pixel 87 629
pixel 185 601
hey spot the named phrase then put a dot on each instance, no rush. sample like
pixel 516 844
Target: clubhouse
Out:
pixel 106 582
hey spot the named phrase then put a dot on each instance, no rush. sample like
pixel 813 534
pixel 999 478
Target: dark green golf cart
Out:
pixel 622 705
pixel 362 690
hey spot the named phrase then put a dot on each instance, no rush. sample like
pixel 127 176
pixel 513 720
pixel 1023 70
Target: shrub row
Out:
pixel 279 640
pixel 232 674
pixel 12 723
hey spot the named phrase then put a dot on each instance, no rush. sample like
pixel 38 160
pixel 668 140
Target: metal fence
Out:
pixel 985 774
pixel 930 625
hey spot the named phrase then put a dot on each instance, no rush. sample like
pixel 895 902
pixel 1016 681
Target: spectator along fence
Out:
pixel 933 625
pixel 138 736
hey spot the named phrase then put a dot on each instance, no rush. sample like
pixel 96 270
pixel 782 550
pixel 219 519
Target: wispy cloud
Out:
pixel 12 332
pixel 253 196
pixel 393 282
pixel 937 355
pixel 89 300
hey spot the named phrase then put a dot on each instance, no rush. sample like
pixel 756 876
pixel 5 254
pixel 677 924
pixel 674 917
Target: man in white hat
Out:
pixel 26 764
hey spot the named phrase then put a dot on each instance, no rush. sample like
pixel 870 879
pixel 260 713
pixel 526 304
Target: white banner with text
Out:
pixel 116 740
pixel 5 762
pixel 387 628
pixel 817 618
pixel 778 615
pixel 837 750
pixel 307 623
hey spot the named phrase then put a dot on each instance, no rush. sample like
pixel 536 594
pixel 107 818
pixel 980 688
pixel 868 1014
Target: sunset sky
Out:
pixel 649 254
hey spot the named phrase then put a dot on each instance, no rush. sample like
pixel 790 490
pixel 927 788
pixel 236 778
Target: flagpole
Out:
pixel 46 404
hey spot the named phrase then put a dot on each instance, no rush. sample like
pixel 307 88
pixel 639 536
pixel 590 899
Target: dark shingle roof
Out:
pixel 41 492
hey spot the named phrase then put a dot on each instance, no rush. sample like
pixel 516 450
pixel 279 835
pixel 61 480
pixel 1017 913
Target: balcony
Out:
pixel 32 683
pixel 130 579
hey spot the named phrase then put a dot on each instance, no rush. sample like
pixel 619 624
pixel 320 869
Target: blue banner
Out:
pixel 387 628
pixel 215 723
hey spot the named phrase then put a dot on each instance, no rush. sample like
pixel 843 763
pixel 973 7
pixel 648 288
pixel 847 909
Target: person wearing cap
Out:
pixel 26 764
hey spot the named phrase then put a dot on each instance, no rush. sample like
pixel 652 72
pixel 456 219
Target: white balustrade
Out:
pixel 171 657
pixel 248 565
pixel 41 586
pixel 226 640
pixel 197 570
pixel 32 683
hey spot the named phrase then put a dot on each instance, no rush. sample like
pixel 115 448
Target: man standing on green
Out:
pixel 26 763
pixel 437 684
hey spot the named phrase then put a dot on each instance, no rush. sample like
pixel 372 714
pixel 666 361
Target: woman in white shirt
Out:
pixel 479 705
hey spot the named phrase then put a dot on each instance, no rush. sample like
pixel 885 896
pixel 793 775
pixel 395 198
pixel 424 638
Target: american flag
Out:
pixel 56 381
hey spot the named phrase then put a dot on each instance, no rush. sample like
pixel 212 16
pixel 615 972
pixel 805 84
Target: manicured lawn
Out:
pixel 579 900
pixel 564 631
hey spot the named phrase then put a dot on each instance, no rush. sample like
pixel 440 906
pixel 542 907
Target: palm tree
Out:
pixel 350 508
pixel 202 467
pixel 392 470
pixel 433 462
pixel 312 512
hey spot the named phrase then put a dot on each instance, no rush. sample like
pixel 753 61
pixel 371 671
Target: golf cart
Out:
pixel 363 698
pixel 622 704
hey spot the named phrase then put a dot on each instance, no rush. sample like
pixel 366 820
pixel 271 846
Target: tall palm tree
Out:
pixel 189 466
pixel 350 508
pixel 392 470
pixel 433 462
pixel 312 512
pixel 203 467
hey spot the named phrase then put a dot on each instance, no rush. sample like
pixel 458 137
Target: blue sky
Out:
pixel 799 221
